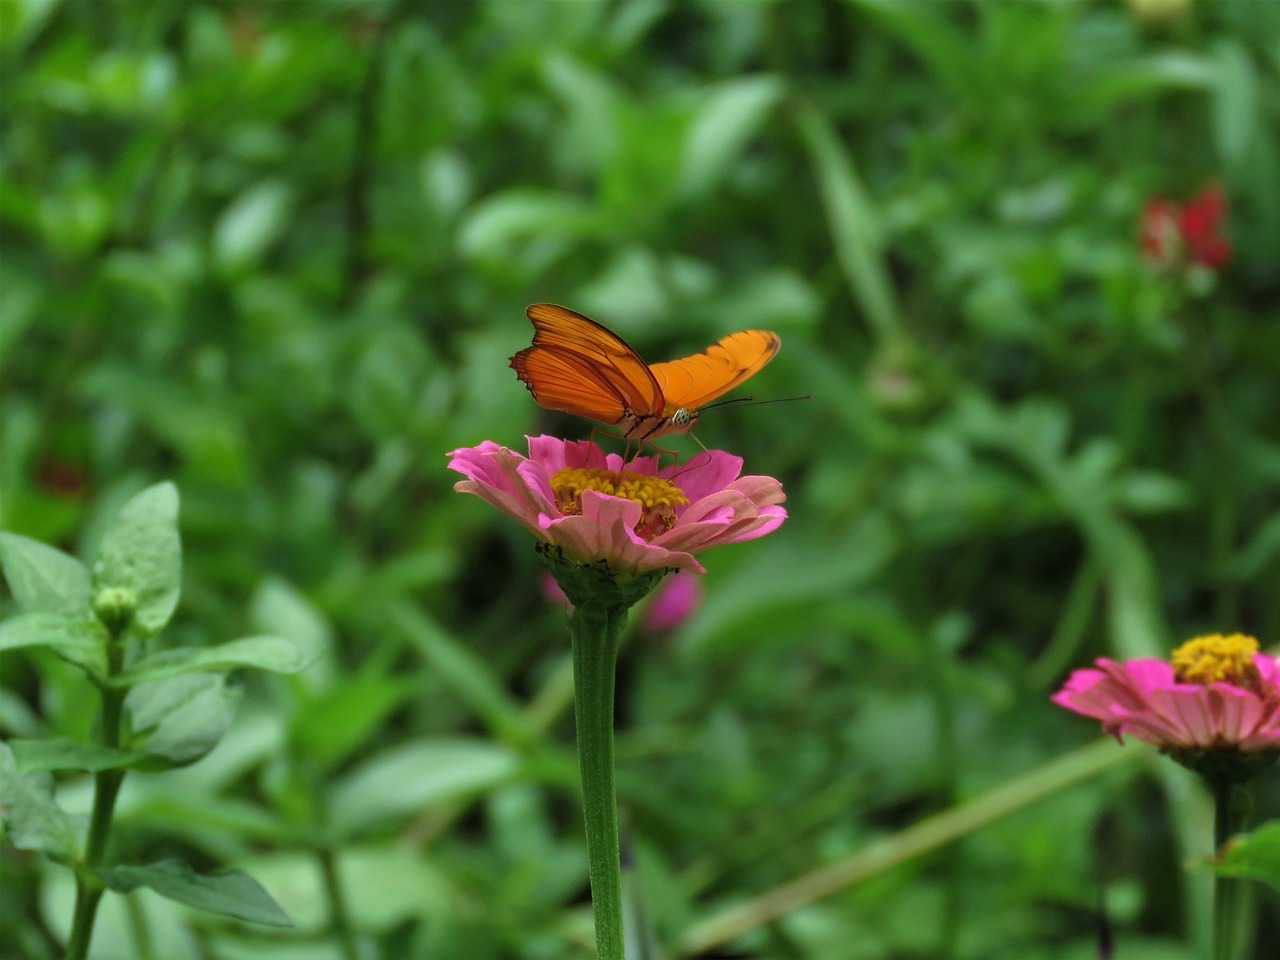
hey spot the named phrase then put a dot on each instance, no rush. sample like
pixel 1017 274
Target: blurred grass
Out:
pixel 280 254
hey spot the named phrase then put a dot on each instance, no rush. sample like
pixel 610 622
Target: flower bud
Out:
pixel 114 607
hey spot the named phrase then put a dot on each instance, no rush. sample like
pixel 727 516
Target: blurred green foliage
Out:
pixel 280 253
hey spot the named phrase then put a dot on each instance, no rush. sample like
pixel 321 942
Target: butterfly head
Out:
pixel 683 420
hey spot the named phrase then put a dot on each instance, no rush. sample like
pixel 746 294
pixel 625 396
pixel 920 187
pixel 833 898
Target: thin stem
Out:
pixel 106 787
pixel 1230 804
pixel 357 204
pixel 595 629
pixel 142 945
pixel 339 916
pixel 1223 509
pixel 1048 780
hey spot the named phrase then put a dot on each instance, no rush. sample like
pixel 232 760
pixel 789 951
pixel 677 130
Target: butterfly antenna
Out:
pixel 752 401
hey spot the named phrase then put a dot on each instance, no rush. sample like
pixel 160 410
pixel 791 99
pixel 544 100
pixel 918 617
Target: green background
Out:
pixel 280 252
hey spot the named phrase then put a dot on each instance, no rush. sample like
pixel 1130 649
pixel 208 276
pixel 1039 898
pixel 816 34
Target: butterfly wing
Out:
pixel 694 381
pixel 578 366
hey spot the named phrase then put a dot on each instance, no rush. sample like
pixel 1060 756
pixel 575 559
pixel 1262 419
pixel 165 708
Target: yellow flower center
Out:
pixel 1214 658
pixel 658 498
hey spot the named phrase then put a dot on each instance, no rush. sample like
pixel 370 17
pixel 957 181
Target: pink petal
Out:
pixel 705 474
pixel 764 491
pixel 606 531
pixel 494 475
pixel 1268 667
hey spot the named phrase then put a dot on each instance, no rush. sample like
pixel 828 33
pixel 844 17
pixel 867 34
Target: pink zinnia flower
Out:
pixel 633 515
pixel 1218 693
pixel 1171 232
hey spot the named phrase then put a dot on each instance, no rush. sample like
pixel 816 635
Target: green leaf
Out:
pixel 141 552
pixel 593 104
pixel 32 819
pixel 181 718
pixel 1255 854
pixel 251 224
pixel 265 653
pixel 82 642
pixel 404 779
pixel 336 723
pixel 232 894
pixel 63 753
pixel 851 218
pixel 20 20
pixel 940 45
pixel 463 670
pixel 1235 103
pixel 281 609
pixel 732 114
pixel 497 222
pixel 42 578
pixel 1126 79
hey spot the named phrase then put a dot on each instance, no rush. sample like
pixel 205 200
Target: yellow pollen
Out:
pixel 1214 658
pixel 657 497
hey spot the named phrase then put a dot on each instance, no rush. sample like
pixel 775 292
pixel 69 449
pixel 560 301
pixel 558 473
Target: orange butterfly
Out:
pixel 581 367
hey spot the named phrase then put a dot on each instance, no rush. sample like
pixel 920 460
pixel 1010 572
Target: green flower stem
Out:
pixel 595 627
pixel 106 787
pixel 1230 807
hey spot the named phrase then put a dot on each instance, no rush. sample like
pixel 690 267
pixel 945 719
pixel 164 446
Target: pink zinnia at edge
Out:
pixel 722 507
pixel 1144 698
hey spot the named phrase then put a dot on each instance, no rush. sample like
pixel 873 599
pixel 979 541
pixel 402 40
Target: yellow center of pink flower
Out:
pixel 658 498
pixel 1215 658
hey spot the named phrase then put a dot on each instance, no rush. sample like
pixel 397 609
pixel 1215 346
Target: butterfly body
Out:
pixel 582 367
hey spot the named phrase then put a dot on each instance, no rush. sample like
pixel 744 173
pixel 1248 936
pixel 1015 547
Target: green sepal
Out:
pixel 1224 764
pixel 597 581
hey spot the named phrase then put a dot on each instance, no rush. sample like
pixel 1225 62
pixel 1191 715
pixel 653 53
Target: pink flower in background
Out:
pixel 675 600
pixel 1191 232
pixel 1218 692
pixel 633 515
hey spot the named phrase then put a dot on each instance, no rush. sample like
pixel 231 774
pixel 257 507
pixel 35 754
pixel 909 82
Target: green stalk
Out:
pixel 1230 806
pixel 339 916
pixel 595 628
pixel 1048 780
pixel 106 787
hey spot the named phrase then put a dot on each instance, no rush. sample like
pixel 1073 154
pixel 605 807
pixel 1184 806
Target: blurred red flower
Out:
pixel 60 478
pixel 1172 233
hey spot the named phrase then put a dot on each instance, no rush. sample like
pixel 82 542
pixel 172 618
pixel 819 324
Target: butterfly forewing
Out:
pixel 694 381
